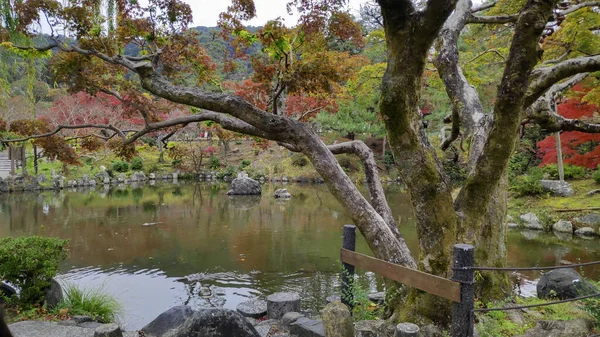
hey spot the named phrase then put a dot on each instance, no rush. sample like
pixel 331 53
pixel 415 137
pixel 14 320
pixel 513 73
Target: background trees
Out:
pixel 146 56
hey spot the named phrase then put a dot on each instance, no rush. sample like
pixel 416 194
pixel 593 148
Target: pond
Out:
pixel 154 247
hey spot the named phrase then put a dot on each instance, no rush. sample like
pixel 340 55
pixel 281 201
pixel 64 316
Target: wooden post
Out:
pixel 559 157
pixel 348 269
pixel 462 313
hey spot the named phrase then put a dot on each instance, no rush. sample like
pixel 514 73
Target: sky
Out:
pixel 206 12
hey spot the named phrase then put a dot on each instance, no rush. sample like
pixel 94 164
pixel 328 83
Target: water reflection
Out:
pixel 157 246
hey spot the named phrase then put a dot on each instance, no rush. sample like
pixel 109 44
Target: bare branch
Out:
pixel 68 127
pixel 362 151
pixel 543 79
pixel 542 113
pixel 486 52
pixel 497 19
pixel 227 122
pixel 578 7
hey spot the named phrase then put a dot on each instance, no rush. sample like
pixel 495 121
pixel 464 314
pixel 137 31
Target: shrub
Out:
pixel 137 164
pixel 299 160
pixel 30 263
pixel 528 184
pixel 571 171
pixel 119 166
pixel 214 163
pixel 229 171
pixel 95 303
pixel 245 163
pixel 596 175
pixel 153 168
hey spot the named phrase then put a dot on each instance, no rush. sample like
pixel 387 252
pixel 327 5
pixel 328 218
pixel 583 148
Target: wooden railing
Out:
pixel 459 289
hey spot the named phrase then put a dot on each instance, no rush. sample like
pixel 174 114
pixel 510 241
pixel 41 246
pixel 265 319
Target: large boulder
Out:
pixel 564 284
pixel 560 188
pixel 54 294
pixel 282 193
pixel 215 322
pixel 244 185
pixel 168 320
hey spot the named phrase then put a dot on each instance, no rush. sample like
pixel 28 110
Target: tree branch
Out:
pixel 497 19
pixel 578 7
pixel 362 151
pixel 542 113
pixel 483 7
pixel 544 78
pixel 227 122
pixel 68 127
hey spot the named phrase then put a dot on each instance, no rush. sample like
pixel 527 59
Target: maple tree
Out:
pixel 578 148
pixel 317 56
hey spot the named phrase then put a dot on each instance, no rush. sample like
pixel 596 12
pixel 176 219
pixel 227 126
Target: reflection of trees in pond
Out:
pixel 177 192
pixel 138 194
pixel 120 193
pixel 149 207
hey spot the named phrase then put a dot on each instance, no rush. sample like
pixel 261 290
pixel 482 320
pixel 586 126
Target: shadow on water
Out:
pixel 154 247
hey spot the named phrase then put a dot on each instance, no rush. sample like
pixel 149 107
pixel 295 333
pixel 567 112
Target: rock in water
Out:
pixel 243 185
pixel 563 226
pixel 282 193
pixel 564 284
pixel 592 219
pixel 531 221
pixel 560 188
pixel 215 322
pixel 337 321
pixel 168 320
pixel 585 231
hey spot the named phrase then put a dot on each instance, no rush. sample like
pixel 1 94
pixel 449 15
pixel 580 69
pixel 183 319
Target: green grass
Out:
pixel 498 324
pixel 90 302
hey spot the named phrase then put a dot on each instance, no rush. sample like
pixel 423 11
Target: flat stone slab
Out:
pixel 306 327
pixel 254 308
pixel 280 303
pixel 53 329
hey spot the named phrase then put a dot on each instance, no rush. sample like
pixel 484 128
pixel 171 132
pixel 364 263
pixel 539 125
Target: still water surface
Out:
pixel 154 247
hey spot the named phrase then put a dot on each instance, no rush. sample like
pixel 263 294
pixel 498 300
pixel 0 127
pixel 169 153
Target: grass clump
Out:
pixel 499 324
pixel 90 302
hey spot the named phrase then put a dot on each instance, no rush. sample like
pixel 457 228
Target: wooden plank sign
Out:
pixel 432 284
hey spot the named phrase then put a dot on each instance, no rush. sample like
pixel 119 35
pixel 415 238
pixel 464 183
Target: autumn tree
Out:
pixel 301 58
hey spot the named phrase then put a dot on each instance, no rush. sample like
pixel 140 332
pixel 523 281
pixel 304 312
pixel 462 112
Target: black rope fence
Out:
pixel 530 268
pixel 535 305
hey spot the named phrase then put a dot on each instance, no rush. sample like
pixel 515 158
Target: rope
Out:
pixel 531 268
pixel 536 305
